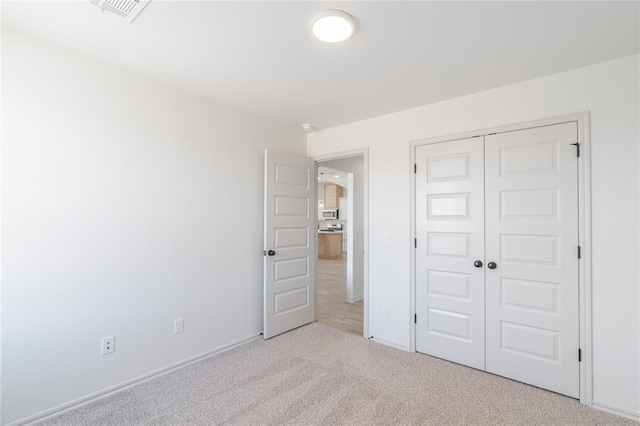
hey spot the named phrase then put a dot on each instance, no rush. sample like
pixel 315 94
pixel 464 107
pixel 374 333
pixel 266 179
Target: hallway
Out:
pixel 332 309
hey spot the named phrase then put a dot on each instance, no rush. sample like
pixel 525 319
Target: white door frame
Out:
pixel 584 233
pixel 364 152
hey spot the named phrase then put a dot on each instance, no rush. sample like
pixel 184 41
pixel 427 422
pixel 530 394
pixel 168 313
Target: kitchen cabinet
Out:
pixel 331 194
pixel 330 245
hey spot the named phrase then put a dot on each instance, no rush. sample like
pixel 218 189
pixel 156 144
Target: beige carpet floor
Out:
pixel 317 375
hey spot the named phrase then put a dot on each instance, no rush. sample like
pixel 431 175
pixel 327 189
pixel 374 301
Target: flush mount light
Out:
pixel 333 26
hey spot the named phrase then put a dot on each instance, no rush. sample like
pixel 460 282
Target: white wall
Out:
pixel 610 91
pixel 355 165
pixel 126 204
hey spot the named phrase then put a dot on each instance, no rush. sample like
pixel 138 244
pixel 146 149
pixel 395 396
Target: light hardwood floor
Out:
pixel 331 306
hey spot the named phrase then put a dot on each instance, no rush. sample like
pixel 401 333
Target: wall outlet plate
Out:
pixel 178 326
pixel 108 345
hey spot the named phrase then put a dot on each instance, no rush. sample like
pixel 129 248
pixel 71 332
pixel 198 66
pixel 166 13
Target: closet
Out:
pixel 497 254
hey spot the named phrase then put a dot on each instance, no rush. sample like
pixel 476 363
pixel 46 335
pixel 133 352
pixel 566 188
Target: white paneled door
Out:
pixel 450 230
pixel 289 243
pixel 497 254
pixel 532 237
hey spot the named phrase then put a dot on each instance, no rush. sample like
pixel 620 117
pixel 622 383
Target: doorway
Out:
pixel 341 278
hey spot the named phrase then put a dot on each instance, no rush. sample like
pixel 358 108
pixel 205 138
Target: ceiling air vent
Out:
pixel 128 9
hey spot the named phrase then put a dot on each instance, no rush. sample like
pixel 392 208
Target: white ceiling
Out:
pixel 260 57
pixel 327 175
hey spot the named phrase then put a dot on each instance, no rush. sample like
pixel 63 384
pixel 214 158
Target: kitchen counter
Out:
pixel 323 231
pixel 329 244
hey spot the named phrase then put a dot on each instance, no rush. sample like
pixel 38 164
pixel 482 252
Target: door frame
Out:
pixel 584 231
pixel 364 152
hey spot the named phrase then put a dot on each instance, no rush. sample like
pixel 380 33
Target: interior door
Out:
pixel 450 240
pixel 289 242
pixel 531 216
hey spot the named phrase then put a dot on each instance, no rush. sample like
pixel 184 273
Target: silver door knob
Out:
pixel 492 265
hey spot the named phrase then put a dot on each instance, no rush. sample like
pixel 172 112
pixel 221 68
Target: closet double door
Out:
pixel 497 254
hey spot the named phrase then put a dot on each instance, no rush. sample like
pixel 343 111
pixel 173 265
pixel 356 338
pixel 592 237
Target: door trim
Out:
pixel 364 152
pixel 584 232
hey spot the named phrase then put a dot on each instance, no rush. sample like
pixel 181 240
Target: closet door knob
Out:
pixel 477 264
pixel 492 265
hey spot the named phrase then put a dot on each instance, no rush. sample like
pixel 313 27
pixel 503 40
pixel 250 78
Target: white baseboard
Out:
pixel 384 342
pixel 355 299
pixel 129 383
pixel 618 411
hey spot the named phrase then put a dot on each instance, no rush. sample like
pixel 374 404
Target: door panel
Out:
pixel 450 234
pixel 289 232
pixel 531 215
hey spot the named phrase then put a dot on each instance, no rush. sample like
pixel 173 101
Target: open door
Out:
pixel 289 242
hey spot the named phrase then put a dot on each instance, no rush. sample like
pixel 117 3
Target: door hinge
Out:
pixel 415 243
pixel 579 252
pixel 577 145
pixel 415 318
pixel 579 355
pixel 415 168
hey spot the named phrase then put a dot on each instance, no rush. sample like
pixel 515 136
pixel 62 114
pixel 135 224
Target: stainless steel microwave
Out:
pixel 330 214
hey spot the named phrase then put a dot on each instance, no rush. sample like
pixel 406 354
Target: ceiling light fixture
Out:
pixel 333 26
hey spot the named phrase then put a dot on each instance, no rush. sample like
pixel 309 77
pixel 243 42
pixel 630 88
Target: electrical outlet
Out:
pixel 108 345
pixel 178 326
pixel 385 309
